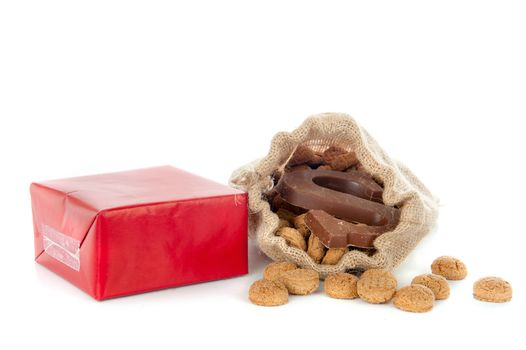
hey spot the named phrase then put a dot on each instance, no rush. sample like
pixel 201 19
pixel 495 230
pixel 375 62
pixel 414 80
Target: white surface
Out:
pixel 105 86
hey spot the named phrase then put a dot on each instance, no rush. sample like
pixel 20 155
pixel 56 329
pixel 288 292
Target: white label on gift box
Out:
pixel 61 247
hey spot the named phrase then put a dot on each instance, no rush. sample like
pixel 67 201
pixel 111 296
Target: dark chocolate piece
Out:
pixel 337 233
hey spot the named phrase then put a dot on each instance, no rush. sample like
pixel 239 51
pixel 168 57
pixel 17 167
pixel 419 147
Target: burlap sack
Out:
pixel 419 208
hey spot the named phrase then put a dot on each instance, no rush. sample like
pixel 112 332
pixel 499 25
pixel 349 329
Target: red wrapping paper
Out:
pixel 136 231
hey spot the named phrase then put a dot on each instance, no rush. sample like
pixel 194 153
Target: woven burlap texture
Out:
pixel 419 208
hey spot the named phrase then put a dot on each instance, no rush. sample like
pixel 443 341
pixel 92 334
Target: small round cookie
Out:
pixel 333 255
pixel 449 267
pixel 315 249
pixel 414 298
pixel 274 270
pixel 293 237
pixel 492 289
pixel 436 283
pixel 304 155
pixel 343 161
pixel 268 293
pixel 338 158
pixel 300 281
pixel 299 224
pixel 376 286
pixel 341 285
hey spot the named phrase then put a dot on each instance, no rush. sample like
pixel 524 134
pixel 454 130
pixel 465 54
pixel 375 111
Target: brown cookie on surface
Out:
pixel 315 248
pixel 299 224
pixel 333 255
pixel 449 267
pixel 414 298
pixel 492 289
pixel 268 293
pixel 376 286
pixel 300 281
pixel 293 237
pixel 341 285
pixel 274 270
pixel 438 284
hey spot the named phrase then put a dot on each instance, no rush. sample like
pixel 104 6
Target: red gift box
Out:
pixel 137 231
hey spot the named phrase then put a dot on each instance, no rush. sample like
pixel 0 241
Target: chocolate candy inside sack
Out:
pixel 345 208
pixel 337 233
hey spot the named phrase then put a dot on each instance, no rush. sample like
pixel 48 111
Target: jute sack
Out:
pixel 419 208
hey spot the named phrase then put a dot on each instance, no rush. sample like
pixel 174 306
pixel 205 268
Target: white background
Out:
pixel 101 86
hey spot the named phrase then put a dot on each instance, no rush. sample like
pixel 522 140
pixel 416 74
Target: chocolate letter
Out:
pixel 353 198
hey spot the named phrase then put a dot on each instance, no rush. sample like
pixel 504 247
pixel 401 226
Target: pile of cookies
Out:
pixel 280 279
pixel 375 286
